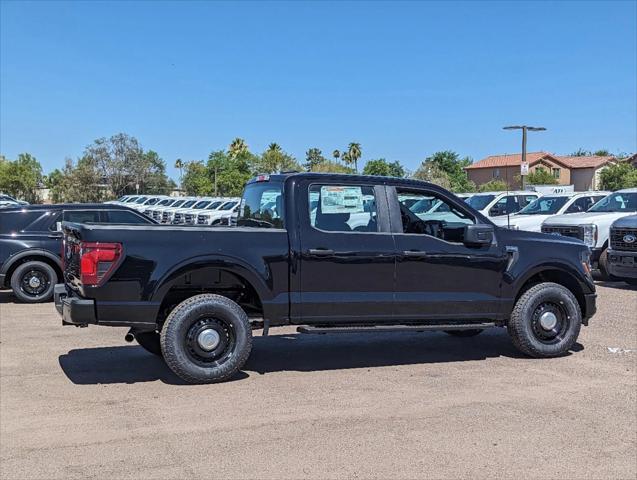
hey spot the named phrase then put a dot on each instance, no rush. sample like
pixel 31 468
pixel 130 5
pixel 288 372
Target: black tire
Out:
pixel 182 333
pixel 527 331
pixel 151 342
pixel 464 333
pixel 603 266
pixel 33 282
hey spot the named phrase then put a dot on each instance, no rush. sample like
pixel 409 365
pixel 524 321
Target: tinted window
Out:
pixel 261 206
pixel 122 216
pixel 213 205
pixel 544 206
pixel 580 205
pixel 479 202
pixel 82 216
pixel 343 208
pixel 617 202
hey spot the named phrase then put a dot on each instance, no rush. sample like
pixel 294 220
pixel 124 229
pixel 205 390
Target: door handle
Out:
pixel 324 252
pixel 415 253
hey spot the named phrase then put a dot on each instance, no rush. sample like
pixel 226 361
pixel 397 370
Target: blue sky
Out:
pixel 403 79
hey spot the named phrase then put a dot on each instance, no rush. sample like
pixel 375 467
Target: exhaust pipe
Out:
pixel 130 336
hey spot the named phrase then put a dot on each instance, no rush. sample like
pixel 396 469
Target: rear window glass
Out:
pixel 261 206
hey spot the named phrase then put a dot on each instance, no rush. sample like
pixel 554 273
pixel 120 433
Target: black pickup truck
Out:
pixel 331 254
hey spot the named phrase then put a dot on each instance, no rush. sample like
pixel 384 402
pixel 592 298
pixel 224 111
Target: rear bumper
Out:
pixel 74 310
pixel 622 264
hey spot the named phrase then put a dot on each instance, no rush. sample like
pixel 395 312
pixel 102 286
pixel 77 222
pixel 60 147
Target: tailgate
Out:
pixel 71 255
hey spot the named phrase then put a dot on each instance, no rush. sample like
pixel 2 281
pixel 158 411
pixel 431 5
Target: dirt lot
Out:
pixel 80 403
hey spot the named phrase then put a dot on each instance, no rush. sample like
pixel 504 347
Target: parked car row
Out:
pixel 587 216
pixel 184 210
pixel 7 201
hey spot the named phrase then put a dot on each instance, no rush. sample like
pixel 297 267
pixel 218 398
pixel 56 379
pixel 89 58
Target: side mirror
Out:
pixel 477 235
pixel 496 211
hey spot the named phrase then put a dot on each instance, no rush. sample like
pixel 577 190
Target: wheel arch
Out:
pixel 217 274
pixel 31 255
pixel 562 275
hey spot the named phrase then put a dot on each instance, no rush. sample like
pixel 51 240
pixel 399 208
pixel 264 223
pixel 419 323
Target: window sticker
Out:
pixel 336 199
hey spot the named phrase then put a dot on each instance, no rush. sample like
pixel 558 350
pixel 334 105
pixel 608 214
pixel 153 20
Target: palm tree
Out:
pixel 354 153
pixel 237 147
pixel 180 165
pixel 274 147
pixel 347 159
pixel 336 154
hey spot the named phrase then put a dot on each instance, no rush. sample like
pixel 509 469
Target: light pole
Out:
pixel 524 129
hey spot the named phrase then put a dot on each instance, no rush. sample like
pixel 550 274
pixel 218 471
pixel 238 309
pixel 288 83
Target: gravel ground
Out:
pixel 80 403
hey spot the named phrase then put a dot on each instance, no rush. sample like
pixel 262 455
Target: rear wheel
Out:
pixel 33 282
pixel 464 333
pixel 603 265
pixel 206 339
pixel 150 341
pixel 545 321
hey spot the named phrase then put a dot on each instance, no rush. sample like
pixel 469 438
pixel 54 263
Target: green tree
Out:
pixel 336 154
pixel 331 167
pixel 237 147
pixel 494 186
pixel 196 180
pixel 617 176
pixel 354 153
pixel 275 160
pixel 383 167
pixel 541 176
pixel 313 158
pixel 580 152
pixel 78 182
pixel 229 174
pixel 432 173
pixel 179 164
pixel 453 167
pixel 20 177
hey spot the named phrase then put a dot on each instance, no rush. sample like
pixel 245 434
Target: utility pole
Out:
pixel 524 128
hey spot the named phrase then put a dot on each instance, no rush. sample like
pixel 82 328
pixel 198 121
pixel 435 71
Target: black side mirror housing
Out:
pixel 477 235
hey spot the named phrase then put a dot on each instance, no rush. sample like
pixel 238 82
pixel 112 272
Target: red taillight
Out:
pixel 97 260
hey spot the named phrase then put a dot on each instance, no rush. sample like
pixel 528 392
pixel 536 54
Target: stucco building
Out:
pixel 582 172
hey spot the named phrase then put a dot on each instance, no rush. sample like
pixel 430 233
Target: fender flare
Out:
pixel 258 280
pixel 553 265
pixel 32 252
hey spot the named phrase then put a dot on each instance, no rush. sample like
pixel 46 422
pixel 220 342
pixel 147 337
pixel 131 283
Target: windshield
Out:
pixel 141 199
pixel 178 203
pixel 261 205
pixel 152 201
pixel 167 201
pixel 202 204
pixel 480 202
pixel 544 206
pixel 131 200
pixel 228 206
pixel 422 206
pixel 188 203
pixel 617 202
pixel 213 205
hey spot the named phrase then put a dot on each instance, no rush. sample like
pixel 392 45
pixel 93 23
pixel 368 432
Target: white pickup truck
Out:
pixel 593 226
pixel 530 218
pixel 495 204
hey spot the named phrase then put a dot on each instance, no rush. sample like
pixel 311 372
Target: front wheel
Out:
pixel 33 282
pixel 206 338
pixel 545 321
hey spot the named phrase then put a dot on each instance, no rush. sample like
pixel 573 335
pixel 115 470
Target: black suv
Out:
pixel 31 243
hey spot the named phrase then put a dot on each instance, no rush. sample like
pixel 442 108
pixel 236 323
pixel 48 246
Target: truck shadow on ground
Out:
pixel 296 352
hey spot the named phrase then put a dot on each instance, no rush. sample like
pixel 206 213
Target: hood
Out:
pixel 584 218
pixel 523 222
pixel 539 238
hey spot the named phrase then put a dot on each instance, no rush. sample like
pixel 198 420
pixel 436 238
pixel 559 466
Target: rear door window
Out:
pixel 343 208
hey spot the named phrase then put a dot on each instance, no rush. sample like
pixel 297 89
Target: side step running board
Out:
pixel 393 328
